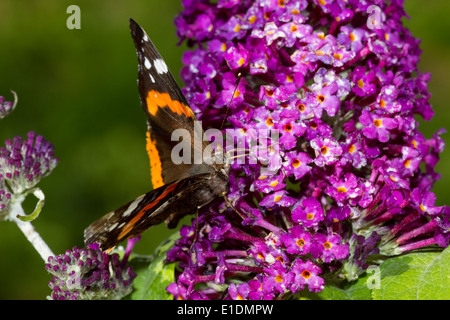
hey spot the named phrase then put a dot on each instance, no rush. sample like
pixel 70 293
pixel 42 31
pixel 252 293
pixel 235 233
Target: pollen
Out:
pixel 237 28
pixel 341 189
pixel 320 53
pixel 352 37
pixel 321 98
pixel 289 78
pixel 269 121
pixel 294 28
pixel 273 183
pixel 382 103
pixel 301 107
pixel 288 127
pixel 310 216
pixel 337 56
pixel 279 278
pixel 324 150
pixel 422 208
pixel 306 274
pixel 327 245
pixel 360 83
pixel 296 163
pixel 236 94
pixel 407 163
pixel 223 47
pixel 322 2
pixel 351 148
pixel 277 198
pixel 241 61
pixel 378 123
pixel 300 243
pixel 252 19
pixel 281 3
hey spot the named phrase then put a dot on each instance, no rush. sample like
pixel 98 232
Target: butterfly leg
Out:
pixel 192 248
pixel 231 205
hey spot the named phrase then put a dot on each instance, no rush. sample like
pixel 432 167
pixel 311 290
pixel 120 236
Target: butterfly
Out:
pixel 179 188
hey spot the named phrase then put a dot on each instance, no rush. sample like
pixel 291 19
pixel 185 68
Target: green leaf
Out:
pixel 153 275
pixel 355 290
pixel 415 276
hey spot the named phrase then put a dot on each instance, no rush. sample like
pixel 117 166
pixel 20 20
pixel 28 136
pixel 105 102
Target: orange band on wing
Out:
pixel 129 226
pixel 155 163
pixel 156 100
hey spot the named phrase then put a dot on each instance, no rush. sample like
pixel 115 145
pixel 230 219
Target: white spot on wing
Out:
pixel 147 63
pixel 114 226
pixel 132 206
pixel 145 38
pixel 160 66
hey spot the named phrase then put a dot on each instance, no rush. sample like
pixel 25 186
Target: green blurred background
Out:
pixel 78 89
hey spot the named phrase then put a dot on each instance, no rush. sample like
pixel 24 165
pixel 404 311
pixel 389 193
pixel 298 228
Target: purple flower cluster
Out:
pixel 5 200
pixel 87 274
pixel 352 174
pixel 24 162
pixel 6 107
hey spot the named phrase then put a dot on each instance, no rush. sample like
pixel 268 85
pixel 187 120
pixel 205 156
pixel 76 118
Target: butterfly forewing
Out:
pixel 167 110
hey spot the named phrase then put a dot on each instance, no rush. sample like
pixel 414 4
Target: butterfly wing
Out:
pixel 167 110
pixel 171 201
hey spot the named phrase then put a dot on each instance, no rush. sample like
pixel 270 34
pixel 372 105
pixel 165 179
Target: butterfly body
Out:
pixel 179 188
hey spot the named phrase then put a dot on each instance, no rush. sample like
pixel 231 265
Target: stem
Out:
pixel 28 230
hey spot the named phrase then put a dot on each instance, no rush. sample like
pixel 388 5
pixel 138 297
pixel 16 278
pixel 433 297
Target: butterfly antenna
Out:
pixel 246 151
pixel 231 100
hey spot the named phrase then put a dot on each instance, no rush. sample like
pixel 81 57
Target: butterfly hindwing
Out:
pixel 171 201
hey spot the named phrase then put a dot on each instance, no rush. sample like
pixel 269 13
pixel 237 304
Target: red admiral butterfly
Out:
pixel 179 189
